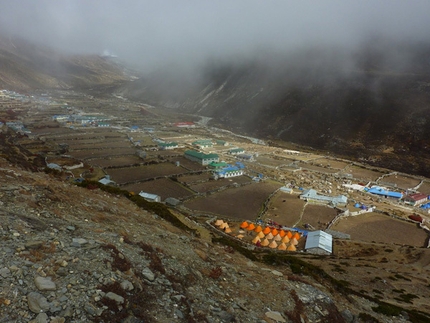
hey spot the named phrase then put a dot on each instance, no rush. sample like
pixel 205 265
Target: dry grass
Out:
pixel 367 227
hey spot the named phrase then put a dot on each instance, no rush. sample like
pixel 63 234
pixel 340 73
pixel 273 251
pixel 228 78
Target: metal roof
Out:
pixel 312 194
pixel 319 239
pixel 381 191
pixel 149 196
pixel 200 155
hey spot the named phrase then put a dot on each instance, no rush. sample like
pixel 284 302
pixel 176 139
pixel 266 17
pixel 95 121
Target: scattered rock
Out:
pixel 148 274
pixel 92 310
pixel 56 319
pixel 226 316
pixel 347 315
pixel 275 316
pixel 277 273
pixel 5 272
pixel 33 244
pixel 127 285
pixel 115 297
pixel 44 283
pixel 41 318
pixel 37 302
pixel 79 242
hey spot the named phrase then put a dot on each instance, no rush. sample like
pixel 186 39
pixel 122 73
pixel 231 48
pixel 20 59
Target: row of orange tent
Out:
pixel 268 230
pixel 274 245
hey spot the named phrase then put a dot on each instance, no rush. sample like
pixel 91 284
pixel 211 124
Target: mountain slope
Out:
pixel 27 66
pixel 363 104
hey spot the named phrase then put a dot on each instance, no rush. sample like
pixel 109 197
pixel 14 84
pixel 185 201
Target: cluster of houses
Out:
pixel 18 126
pixel 13 95
pixel 84 120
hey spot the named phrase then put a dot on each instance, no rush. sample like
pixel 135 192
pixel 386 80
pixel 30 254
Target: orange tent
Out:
pixel 261 234
pixel 251 227
pixel 297 236
pixel 282 233
pixel 285 239
pixel 265 243
pixel 275 232
pixel 269 236
pixel 258 229
pixel 277 237
pixel 266 230
pixel 294 241
pixel 273 245
pixel 291 248
pixel 289 235
pixel 282 246
pixel 219 222
pixel 244 224
pixel 255 240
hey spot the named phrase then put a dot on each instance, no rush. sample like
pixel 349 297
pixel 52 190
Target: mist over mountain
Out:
pixel 371 103
pixel 349 77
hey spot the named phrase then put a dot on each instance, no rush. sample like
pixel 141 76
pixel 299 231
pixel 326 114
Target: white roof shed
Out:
pixel 319 242
pixel 150 197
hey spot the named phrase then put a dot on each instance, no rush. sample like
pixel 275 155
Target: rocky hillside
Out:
pixel 27 66
pixel 370 103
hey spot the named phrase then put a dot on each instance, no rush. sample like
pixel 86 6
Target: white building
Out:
pixel 319 242
pixel 150 197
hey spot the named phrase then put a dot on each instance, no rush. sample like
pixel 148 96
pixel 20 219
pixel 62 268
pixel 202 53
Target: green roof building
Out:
pixel 219 165
pixel 205 143
pixel 204 159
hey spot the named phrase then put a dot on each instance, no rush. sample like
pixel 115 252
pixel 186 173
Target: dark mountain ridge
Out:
pixel 371 103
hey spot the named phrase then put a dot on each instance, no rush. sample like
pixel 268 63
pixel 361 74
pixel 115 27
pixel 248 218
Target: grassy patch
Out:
pixel 407 298
pixel 398 276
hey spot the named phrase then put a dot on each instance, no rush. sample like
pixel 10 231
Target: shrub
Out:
pixel 118 263
pixel 215 273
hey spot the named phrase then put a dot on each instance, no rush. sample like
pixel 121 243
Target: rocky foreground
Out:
pixel 70 254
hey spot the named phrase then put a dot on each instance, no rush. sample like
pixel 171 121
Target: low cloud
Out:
pixel 151 34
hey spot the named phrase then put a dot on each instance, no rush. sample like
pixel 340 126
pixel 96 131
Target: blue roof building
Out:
pixel 227 172
pixel 383 192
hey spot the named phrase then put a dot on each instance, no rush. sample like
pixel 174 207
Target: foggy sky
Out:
pixel 154 33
